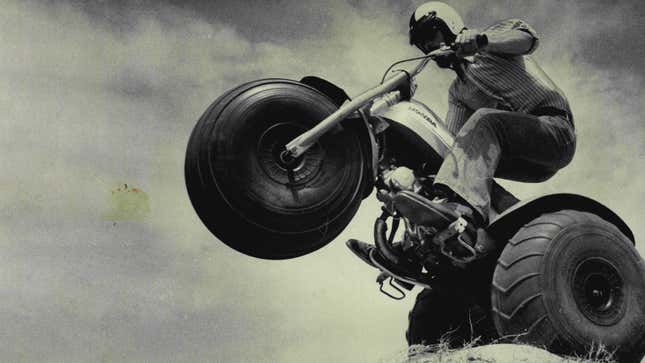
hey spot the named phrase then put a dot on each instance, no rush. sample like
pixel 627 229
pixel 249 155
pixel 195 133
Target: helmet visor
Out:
pixel 426 28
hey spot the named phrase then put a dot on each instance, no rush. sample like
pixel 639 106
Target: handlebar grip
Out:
pixel 481 40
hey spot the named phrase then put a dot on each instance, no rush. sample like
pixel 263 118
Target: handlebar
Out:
pixel 300 144
pixel 480 39
pixel 304 141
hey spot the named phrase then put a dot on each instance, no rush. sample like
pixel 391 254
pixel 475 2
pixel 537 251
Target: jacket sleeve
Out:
pixel 458 112
pixel 510 25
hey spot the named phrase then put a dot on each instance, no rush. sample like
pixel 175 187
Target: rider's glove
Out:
pixel 446 59
pixel 466 43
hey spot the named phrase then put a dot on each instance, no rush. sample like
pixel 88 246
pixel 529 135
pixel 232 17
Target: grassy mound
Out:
pixel 495 353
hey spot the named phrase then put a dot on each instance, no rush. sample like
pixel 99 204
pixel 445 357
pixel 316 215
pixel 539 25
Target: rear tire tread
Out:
pixel 519 280
pixel 540 223
pixel 516 242
pixel 516 301
pixel 519 307
pixel 535 323
pixel 507 265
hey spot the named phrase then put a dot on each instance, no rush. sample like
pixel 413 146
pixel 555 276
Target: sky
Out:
pixel 97 95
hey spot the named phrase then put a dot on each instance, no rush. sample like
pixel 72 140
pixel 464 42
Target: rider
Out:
pixel 511 121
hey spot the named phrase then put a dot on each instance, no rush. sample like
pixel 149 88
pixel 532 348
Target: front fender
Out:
pixel 362 127
pixel 370 149
pixel 509 222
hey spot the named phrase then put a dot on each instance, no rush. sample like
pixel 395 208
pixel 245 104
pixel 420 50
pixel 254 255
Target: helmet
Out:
pixel 431 17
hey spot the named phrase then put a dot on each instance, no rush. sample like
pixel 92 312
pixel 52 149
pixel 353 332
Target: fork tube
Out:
pixel 301 143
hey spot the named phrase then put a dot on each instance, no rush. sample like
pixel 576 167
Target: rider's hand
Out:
pixel 466 43
pixel 444 58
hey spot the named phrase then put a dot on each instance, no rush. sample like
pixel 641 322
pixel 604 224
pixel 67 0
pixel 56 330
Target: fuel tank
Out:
pixel 422 135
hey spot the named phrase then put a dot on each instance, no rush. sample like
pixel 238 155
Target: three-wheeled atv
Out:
pixel 277 168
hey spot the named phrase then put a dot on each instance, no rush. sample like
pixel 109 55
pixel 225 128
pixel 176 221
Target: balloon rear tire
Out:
pixel 568 280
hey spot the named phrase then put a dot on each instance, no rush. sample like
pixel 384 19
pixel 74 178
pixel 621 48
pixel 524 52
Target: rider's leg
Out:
pixel 501 199
pixel 512 145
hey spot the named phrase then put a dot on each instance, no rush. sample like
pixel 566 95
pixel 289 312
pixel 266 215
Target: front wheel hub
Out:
pixel 278 164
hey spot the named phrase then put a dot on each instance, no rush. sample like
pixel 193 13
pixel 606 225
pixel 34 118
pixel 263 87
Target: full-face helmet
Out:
pixel 432 17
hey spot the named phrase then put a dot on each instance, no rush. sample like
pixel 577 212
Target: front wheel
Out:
pixel 249 194
pixel 568 280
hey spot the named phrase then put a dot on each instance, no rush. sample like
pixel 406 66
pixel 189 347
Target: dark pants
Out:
pixel 508 145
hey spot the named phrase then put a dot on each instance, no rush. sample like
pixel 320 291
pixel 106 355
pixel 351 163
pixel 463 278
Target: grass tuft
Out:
pixel 442 352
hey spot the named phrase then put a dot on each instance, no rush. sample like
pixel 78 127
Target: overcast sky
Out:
pixel 98 94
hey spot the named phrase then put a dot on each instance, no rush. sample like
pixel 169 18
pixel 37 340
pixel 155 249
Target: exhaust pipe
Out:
pixel 381 242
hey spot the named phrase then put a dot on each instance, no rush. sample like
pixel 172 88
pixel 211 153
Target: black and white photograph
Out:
pixel 322 181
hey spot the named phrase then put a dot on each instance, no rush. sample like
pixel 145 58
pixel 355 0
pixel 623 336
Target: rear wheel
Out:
pixel 570 279
pixel 249 194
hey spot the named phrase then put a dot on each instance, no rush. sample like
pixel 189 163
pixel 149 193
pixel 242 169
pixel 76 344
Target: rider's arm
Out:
pixel 458 113
pixel 512 36
pixel 457 116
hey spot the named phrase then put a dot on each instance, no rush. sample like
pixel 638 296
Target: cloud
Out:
pixel 90 106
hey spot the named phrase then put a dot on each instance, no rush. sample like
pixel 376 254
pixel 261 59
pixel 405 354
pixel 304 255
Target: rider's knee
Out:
pixel 485 116
pixel 482 118
pixel 484 112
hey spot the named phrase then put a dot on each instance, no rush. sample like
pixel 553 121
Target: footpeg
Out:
pixel 381 281
pixel 463 241
pixel 401 276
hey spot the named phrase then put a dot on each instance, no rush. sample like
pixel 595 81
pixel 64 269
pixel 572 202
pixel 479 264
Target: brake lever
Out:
pixel 444 50
pixel 447 52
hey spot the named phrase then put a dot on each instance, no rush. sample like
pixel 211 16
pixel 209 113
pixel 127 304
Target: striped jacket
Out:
pixel 509 82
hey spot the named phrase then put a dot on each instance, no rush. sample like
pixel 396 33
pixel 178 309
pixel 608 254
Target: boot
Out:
pixel 436 213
